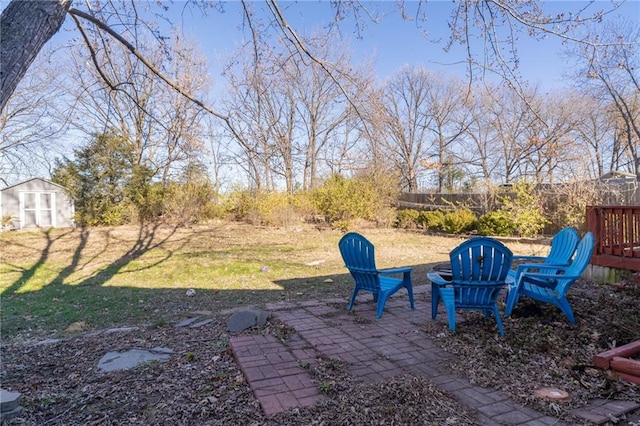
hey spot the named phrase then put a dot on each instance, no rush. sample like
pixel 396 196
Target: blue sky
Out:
pixel 393 41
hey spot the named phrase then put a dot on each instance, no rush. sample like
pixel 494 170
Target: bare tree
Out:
pixel 594 134
pixel 31 124
pixel 246 105
pixel 407 123
pixel 288 113
pixel 450 120
pixel 609 70
pixel 482 148
pixel 510 118
pixel 325 110
pixel 164 127
pixel 548 139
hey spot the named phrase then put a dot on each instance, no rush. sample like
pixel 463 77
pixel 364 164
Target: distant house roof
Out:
pixel 32 179
pixel 618 177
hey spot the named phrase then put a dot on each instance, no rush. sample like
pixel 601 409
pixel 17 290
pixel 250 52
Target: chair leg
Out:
pixel 435 299
pixel 353 299
pixel 563 304
pixel 382 299
pixel 411 300
pixel 406 279
pixel 498 320
pixel 451 315
pixel 512 299
pixel 448 295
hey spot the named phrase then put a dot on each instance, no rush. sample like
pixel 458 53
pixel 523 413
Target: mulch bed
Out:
pixel 202 385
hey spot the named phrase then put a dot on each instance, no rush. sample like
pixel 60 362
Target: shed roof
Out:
pixel 29 180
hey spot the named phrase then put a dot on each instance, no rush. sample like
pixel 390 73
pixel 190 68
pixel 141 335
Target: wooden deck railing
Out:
pixel 617 236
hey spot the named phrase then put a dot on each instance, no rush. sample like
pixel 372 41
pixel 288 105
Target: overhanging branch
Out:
pixel 78 13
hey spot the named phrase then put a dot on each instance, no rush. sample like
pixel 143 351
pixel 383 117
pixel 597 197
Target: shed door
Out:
pixel 37 209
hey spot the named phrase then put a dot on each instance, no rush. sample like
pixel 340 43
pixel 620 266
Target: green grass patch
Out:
pixel 108 277
pixel 51 280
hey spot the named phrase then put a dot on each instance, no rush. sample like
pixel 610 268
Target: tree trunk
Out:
pixel 25 27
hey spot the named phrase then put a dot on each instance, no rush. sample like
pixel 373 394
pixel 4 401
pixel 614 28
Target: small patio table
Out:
pixel 444 269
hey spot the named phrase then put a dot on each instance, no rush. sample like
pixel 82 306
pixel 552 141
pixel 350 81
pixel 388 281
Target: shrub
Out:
pixel 110 215
pixel 341 225
pixel 189 203
pixel 432 220
pixel 460 221
pixel 342 198
pixel 7 221
pixel 304 204
pixel 386 217
pixel 525 209
pixel 496 223
pixel 238 203
pixel 261 207
pixel 276 208
pixel 407 219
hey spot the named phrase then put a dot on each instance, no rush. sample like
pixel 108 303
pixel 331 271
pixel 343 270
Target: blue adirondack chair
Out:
pixel 552 284
pixel 563 247
pixel 479 270
pixel 359 257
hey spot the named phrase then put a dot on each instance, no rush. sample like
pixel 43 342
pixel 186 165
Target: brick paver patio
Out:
pixel 374 349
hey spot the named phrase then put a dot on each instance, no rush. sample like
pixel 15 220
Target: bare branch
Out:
pixel 152 68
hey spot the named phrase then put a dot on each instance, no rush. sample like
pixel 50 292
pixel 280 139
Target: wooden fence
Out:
pixel 607 194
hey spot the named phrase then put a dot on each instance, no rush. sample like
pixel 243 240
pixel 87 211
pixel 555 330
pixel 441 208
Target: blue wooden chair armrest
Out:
pixel 392 271
pixel 549 276
pixel 488 283
pixel 525 267
pixel 520 258
pixel 510 280
pixel 437 279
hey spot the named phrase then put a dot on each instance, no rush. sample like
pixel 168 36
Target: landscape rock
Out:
pixel 9 400
pixel 246 318
pixel 9 405
pixel 187 322
pixel 553 394
pixel 114 361
pixel 201 323
pixel 5 416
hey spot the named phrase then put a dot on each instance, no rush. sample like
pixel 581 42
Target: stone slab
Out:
pixel 115 361
pixel 187 322
pixel 9 400
pixel 246 318
pixel 201 323
pixel 5 416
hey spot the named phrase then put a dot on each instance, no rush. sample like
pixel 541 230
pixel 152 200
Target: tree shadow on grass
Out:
pixel 56 304
pixel 28 273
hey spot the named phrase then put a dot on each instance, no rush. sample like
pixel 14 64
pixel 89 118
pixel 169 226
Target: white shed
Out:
pixel 37 203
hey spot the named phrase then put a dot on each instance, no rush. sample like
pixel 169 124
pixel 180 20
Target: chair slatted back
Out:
pixel 563 247
pixel 579 264
pixel 479 267
pixel 480 260
pixel 358 254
